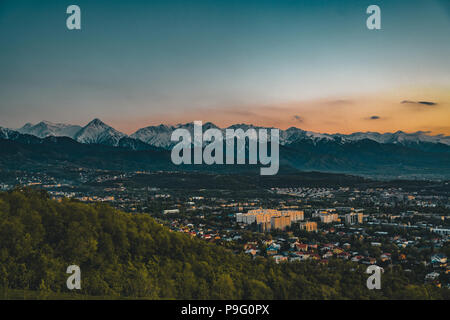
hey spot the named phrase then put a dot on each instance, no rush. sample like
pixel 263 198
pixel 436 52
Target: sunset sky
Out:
pixel 310 64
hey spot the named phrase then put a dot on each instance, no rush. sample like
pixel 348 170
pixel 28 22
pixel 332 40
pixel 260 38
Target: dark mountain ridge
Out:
pixel 363 157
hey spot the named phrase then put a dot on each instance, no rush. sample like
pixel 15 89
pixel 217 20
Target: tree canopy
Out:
pixel 131 255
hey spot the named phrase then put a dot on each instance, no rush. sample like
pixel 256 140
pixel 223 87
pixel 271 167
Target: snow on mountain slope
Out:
pixel 159 136
pixel 98 132
pixel 7 134
pixel 45 128
pixel 399 137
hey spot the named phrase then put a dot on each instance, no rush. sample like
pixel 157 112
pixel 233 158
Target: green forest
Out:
pixel 124 255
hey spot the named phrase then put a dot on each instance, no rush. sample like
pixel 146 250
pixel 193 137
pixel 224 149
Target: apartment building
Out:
pixel 354 218
pixel 280 222
pixel 308 226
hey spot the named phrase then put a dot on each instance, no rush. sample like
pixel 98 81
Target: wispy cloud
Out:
pixel 298 118
pixel 424 103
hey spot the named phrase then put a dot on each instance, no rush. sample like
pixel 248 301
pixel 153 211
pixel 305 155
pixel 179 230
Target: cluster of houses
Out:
pixel 383 197
pixel 292 250
pixel 297 251
pixel 439 265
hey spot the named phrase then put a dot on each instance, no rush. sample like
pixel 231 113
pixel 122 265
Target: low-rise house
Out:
pixel 293 259
pixel 440 259
pixel 385 257
pixel 370 260
pixel 344 255
pixel 274 246
pixel 252 252
pixel 301 247
pixel 314 256
pixel 301 255
pixel 279 258
pixel 432 276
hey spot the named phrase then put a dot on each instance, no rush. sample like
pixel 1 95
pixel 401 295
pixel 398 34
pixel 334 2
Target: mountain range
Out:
pixel 97 132
pixel 98 145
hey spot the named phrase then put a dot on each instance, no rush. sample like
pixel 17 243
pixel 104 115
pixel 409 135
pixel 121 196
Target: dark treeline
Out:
pixel 131 255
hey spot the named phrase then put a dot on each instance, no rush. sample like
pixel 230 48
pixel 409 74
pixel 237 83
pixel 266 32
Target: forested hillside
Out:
pixel 131 255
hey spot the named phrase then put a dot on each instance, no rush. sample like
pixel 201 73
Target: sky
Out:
pixel 311 64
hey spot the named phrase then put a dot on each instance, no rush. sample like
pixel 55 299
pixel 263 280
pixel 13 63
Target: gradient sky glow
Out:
pixel 311 64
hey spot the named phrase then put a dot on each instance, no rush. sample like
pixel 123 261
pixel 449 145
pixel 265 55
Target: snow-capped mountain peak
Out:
pixel 6 133
pixel 398 137
pixel 97 132
pixel 159 136
pixel 46 128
